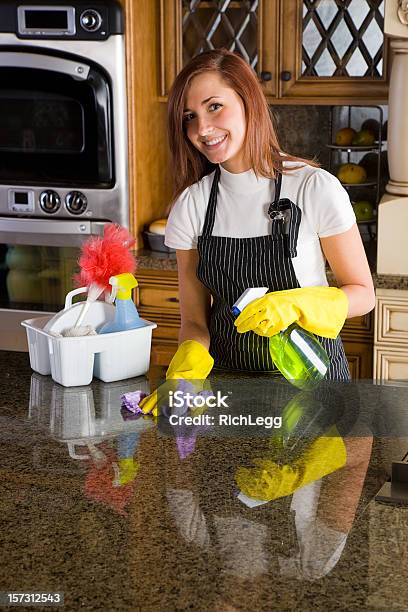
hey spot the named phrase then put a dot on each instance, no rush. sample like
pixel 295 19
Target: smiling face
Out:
pixel 214 118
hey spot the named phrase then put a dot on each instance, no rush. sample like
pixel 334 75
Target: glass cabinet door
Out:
pixel 237 25
pixel 337 50
pixel 314 51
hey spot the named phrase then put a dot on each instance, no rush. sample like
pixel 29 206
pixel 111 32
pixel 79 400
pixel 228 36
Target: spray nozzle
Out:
pixel 122 285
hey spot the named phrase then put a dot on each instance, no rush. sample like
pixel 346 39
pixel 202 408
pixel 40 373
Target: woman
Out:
pixel 246 214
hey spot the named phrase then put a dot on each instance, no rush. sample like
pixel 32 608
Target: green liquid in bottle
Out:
pixel 299 356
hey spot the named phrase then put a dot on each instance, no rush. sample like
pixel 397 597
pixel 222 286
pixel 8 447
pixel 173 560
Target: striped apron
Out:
pixel 227 266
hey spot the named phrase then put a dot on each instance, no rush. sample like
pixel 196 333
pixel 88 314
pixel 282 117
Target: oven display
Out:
pixel 42 20
pixel 46 20
pixel 41 124
pixel 20 197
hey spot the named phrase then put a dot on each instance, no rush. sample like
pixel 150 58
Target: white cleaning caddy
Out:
pixel 73 361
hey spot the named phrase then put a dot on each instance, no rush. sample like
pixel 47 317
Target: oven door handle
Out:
pixel 77 70
pixel 49 232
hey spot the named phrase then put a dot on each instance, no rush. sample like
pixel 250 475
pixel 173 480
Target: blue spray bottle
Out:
pixel 126 315
pixel 296 353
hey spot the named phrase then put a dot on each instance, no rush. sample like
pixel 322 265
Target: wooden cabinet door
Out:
pixel 391 322
pixel 391 336
pixel 333 51
pixel 247 27
pixel 357 336
pixel 157 300
pixel 149 180
pixel 391 365
pixel 360 359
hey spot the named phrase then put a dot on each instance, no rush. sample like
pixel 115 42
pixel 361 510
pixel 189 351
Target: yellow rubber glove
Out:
pixel 192 362
pixel 320 310
pixel 269 480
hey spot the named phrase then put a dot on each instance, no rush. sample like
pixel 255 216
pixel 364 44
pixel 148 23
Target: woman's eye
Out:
pixel 212 107
pixel 215 106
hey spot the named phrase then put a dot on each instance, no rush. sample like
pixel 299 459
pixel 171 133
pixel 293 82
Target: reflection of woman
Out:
pixel 301 536
pixel 246 214
pixel 196 543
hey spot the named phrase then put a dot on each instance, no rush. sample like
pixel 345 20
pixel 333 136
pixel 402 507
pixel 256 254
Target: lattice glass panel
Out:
pixel 212 24
pixel 343 38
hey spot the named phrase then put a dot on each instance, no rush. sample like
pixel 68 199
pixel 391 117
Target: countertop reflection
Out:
pixel 135 514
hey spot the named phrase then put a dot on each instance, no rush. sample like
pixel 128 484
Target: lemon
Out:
pixel 364 210
pixel 353 174
pixel 372 125
pixel 345 136
pixel 364 138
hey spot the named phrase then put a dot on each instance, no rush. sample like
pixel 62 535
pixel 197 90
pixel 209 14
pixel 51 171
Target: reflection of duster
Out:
pixel 101 486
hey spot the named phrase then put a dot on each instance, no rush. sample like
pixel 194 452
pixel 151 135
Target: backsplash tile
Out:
pixel 304 131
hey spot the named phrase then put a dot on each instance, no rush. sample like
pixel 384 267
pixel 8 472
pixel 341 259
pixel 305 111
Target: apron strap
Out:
pixel 287 222
pixel 212 205
pixel 278 185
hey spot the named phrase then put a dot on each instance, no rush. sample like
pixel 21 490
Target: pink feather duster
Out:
pixel 104 257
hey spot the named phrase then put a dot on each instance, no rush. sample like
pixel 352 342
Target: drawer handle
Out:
pixel 172 299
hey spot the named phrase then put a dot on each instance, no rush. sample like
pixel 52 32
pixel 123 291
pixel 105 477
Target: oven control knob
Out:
pixel 90 20
pixel 76 202
pixel 50 201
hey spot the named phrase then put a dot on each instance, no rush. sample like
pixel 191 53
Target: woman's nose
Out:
pixel 204 126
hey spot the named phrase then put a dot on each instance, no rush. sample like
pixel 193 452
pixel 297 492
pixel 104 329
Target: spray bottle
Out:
pixel 126 315
pixel 296 353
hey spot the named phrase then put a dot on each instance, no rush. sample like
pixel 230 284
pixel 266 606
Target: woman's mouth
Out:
pixel 214 143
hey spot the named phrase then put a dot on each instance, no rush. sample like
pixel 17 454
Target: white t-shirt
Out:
pixel 242 212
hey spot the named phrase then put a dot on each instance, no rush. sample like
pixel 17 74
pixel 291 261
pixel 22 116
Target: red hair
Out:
pixel 261 146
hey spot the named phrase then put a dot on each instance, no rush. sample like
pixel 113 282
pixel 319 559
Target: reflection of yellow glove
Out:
pixel 127 471
pixel 192 361
pixel 269 480
pixel 320 310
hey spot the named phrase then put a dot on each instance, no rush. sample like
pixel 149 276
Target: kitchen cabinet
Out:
pixel 150 179
pixel 357 336
pixel 158 300
pixel 304 52
pixel 391 336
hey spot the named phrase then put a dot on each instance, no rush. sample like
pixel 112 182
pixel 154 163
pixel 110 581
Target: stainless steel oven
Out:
pixel 63 147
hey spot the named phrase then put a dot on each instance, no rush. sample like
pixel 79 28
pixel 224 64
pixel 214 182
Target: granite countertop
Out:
pixel 138 515
pixel 154 260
